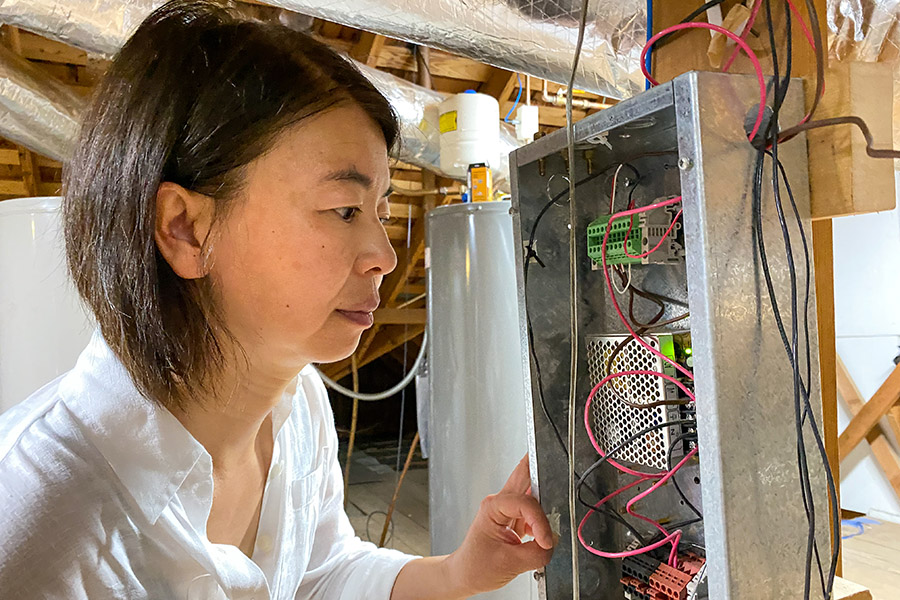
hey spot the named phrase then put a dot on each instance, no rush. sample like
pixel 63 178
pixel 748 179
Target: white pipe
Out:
pixel 387 393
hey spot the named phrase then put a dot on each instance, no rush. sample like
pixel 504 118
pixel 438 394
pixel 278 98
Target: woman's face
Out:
pixel 298 260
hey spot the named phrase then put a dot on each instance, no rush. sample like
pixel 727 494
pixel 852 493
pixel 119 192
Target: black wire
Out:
pixel 801 391
pixel 611 454
pixel 781 89
pixel 683 439
pixel 829 475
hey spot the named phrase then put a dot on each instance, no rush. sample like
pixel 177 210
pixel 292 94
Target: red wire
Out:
pixel 663 239
pixel 803 25
pixel 674 538
pixel 587 416
pixel 747 27
pixel 729 34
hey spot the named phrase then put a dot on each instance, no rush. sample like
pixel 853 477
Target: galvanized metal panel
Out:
pixel 754 520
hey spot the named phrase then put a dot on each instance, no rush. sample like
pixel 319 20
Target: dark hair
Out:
pixel 196 94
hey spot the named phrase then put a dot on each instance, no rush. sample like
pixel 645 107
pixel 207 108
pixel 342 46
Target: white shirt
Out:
pixel 104 494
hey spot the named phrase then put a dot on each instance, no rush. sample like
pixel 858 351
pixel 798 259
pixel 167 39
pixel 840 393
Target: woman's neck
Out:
pixel 228 423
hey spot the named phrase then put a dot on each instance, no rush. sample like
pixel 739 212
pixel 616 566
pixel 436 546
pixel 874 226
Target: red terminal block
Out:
pixel 690 563
pixel 671 582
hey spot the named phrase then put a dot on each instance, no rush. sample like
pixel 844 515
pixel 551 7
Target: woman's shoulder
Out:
pixel 43 451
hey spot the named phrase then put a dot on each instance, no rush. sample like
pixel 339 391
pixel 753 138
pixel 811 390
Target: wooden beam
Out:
pixel 823 265
pixel 368 48
pixel 9 156
pixel 35 47
pixel 872 411
pixel 442 64
pixel 500 84
pixel 400 316
pixel 404 210
pixel 842 177
pixel 30 172
pixel 13 188
pixel 881 448
pixel 847 590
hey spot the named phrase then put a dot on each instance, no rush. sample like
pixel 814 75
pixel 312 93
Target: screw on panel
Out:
pixel 685 163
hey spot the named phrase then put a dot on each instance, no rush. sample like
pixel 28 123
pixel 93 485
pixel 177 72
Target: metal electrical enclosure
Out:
pixel 685 137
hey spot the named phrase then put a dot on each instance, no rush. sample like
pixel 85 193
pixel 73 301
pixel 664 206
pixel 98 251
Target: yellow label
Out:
pixel 447 121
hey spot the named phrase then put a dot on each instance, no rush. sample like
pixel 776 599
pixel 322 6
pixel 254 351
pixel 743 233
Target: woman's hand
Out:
pixel 493 552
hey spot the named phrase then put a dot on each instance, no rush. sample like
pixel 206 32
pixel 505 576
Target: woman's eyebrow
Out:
pixel 350 174
pixel 353 175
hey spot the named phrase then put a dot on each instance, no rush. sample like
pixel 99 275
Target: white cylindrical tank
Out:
pixel 43 325
pixel 477 421
pixel 470 132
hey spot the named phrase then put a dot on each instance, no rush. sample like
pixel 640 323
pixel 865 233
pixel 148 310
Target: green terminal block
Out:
pixel 615 246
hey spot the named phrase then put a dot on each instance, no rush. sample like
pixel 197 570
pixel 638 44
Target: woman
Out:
pixel 224 222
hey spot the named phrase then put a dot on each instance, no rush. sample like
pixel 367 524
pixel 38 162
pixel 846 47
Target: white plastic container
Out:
pixel 43 325
pixel 470 132
pixel 527 123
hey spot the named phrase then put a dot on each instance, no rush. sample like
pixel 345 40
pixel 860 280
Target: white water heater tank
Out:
pixel 470 132
pixel 43 325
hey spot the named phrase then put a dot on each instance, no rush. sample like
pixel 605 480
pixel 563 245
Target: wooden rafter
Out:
pixel 881 448
pixel 368 48
pixel 870 413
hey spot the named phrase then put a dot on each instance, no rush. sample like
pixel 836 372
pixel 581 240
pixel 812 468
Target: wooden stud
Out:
pixel 500 84
pixel 368 48
pixel 823 265
pixel 881 448
pixel 842 177
pixel 30 172
pixel 442 64
pixel 871 413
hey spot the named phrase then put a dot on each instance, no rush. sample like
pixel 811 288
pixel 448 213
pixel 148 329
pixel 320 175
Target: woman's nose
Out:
pixel 378 257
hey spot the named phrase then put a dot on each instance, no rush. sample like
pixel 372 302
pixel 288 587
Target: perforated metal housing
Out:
pixel 613 420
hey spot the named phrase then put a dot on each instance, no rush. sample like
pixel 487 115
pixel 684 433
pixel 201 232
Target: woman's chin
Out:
pixel 337 349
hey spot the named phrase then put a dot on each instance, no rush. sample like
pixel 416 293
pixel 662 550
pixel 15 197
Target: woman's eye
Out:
pixel 347 213
pixel 384 220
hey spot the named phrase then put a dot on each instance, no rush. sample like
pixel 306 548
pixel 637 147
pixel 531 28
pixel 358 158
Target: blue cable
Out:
pixel 648 58
pixel 518 95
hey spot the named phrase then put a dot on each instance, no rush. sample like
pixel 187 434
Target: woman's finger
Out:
pixel 519 481
pixel 529 556
pixel 504 508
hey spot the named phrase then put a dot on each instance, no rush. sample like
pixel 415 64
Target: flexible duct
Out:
pixel 528 36
pixel 37 111
pixel 44 115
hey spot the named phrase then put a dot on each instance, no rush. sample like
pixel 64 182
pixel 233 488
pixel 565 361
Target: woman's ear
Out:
pixel 183 222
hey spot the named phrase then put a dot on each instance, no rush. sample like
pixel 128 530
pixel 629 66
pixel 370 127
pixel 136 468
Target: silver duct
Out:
pixel 36 110
pixel 528 36
pixel 44 115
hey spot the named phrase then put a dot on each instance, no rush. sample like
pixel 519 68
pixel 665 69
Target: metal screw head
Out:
pixel 685 163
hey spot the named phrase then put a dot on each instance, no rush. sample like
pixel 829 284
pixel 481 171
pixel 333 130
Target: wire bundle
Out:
pixel 658 479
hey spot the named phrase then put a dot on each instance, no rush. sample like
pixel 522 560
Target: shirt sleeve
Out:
pixel 341 565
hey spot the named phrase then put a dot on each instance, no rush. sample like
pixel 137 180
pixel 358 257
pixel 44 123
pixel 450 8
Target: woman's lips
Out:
pixel 358 317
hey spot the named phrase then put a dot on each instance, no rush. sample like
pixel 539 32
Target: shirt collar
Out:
pixel 147 447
